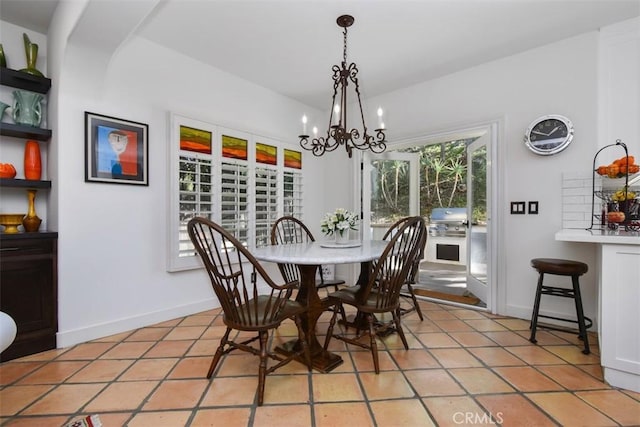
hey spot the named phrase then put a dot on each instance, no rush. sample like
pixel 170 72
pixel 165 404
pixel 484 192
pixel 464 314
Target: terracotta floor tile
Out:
pixel 36 421
pixel 437 340
pixel 394 342
pixel 185 333
pixel 440 315
pixel 480 381
pixel 434 382
pixel 53 372
pixel 121 396
pixel 65 399
pixel 114 338
pixel 214 333
pixel 86 351
pixel 169 349
pixel 148 334
pixel 176 394
pixel 336 387
pixel 342 414
pixel 573 354
pixel 453 325
pixel 543 337
pixel 14 399
pixel 231 391
pixel 615 404
pixel 190 367
pixel 128 350
pixel 169 323
pixel 114 419
pixel 534 355
pixel 385 385
pixel 221 417
pixel 513 410
pixel 286 389
pixel 13 371
pixel 363 361
pixel 526 379
pixel 280 415
pixel 507 338
pixel 458 411
pixel 101 371
pixel 495 356
pixel 403 412
pixel 414 359
pixel 486 325
pixel 149 369
pixel 572 377
pixel 164 418
pixel 237 364
pixel 197 320
pixel 569 410
pixel 593 370
pixel 514 324
pixel 45 356
pixel 455 358
pixel 472 339
pixel 347 363
pixel 422 327
pixel 465 314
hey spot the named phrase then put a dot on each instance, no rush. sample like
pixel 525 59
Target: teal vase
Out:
pixel 27 108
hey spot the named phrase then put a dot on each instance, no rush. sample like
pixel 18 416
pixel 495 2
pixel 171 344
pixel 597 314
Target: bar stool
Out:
pixel 560 267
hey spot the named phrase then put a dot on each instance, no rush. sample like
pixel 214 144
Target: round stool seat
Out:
pixel 561 267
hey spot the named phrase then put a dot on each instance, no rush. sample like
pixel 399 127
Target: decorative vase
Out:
pixel 32 161
pixel 342 238
pixel 31 51
pixel 27 108
pixel 31 222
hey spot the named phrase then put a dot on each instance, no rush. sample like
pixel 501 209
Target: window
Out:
pixel 230 178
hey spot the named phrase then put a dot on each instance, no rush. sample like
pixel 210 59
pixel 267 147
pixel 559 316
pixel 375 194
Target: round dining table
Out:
pixel 308 256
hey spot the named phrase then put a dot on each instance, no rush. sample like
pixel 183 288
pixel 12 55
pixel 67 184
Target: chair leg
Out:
pixel 580 313
pixel 398 326
pixel 219 351
pixel 415 302
pixel 332 323
pixel 262 371
pixel 374 344
pixel 303 339
pixel 536 309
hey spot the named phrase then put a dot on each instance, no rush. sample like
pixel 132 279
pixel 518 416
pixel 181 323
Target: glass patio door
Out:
pixel 478 187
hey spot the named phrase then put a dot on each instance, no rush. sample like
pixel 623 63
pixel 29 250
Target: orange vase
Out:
pixel 32 161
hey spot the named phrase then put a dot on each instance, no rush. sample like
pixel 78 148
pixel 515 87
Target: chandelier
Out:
pixel 338 133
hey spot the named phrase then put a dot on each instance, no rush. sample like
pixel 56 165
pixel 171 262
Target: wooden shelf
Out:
pixel 26 132
pixel 21 80
pixel 23 183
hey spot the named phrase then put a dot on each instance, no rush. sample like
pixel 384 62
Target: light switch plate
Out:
pixel 518 208
pixel 533 208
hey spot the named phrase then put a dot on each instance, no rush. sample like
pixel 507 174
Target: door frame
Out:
pixel 496 152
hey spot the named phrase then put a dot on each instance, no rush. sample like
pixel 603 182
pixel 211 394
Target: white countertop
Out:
pixel 599 236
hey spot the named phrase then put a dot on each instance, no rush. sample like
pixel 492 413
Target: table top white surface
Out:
pixel 314 254
pixel 619 237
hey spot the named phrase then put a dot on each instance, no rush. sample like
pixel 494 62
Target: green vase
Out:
pixel 3 60
pixel 31 51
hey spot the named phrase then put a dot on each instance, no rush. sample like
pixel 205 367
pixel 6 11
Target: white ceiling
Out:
pixel 290 46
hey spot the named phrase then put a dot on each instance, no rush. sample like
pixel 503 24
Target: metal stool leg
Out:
pixel 536 309
pixel 580 313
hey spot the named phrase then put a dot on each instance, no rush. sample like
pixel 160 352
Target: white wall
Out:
pixel 112 273
pixel 560 78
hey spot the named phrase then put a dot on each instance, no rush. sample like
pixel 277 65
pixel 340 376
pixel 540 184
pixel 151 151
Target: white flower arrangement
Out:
pixel 339 222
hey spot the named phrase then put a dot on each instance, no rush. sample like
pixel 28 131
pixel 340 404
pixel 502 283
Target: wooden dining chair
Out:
pixel 407 289
pixel 288 230
pixel 382 292
pixel 250 299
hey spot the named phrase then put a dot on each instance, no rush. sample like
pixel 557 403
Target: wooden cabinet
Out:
pixel 28 290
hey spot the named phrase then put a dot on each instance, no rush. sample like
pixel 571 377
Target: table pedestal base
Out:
pixel 321 360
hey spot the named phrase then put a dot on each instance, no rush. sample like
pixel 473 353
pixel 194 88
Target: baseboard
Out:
pixel 92 332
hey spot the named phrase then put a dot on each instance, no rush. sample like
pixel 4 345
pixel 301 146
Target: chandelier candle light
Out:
pixel 337 133
pixel 339 223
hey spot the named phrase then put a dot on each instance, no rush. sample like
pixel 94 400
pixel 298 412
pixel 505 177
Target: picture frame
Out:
pixel 116 150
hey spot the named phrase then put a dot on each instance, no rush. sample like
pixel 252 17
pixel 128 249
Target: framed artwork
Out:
pixel 116 150
pixel 192 139
pixel 266 153
pixel 234 148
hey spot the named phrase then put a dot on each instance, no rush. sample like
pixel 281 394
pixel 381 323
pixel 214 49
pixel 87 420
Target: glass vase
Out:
pixel 31 222
pixel 342 238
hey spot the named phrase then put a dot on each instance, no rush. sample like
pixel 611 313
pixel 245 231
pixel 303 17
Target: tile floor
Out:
pixel 463 367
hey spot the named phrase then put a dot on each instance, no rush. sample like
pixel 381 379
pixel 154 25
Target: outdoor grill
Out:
pixel 448 222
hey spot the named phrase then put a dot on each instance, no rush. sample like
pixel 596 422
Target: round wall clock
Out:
pixel 548 135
